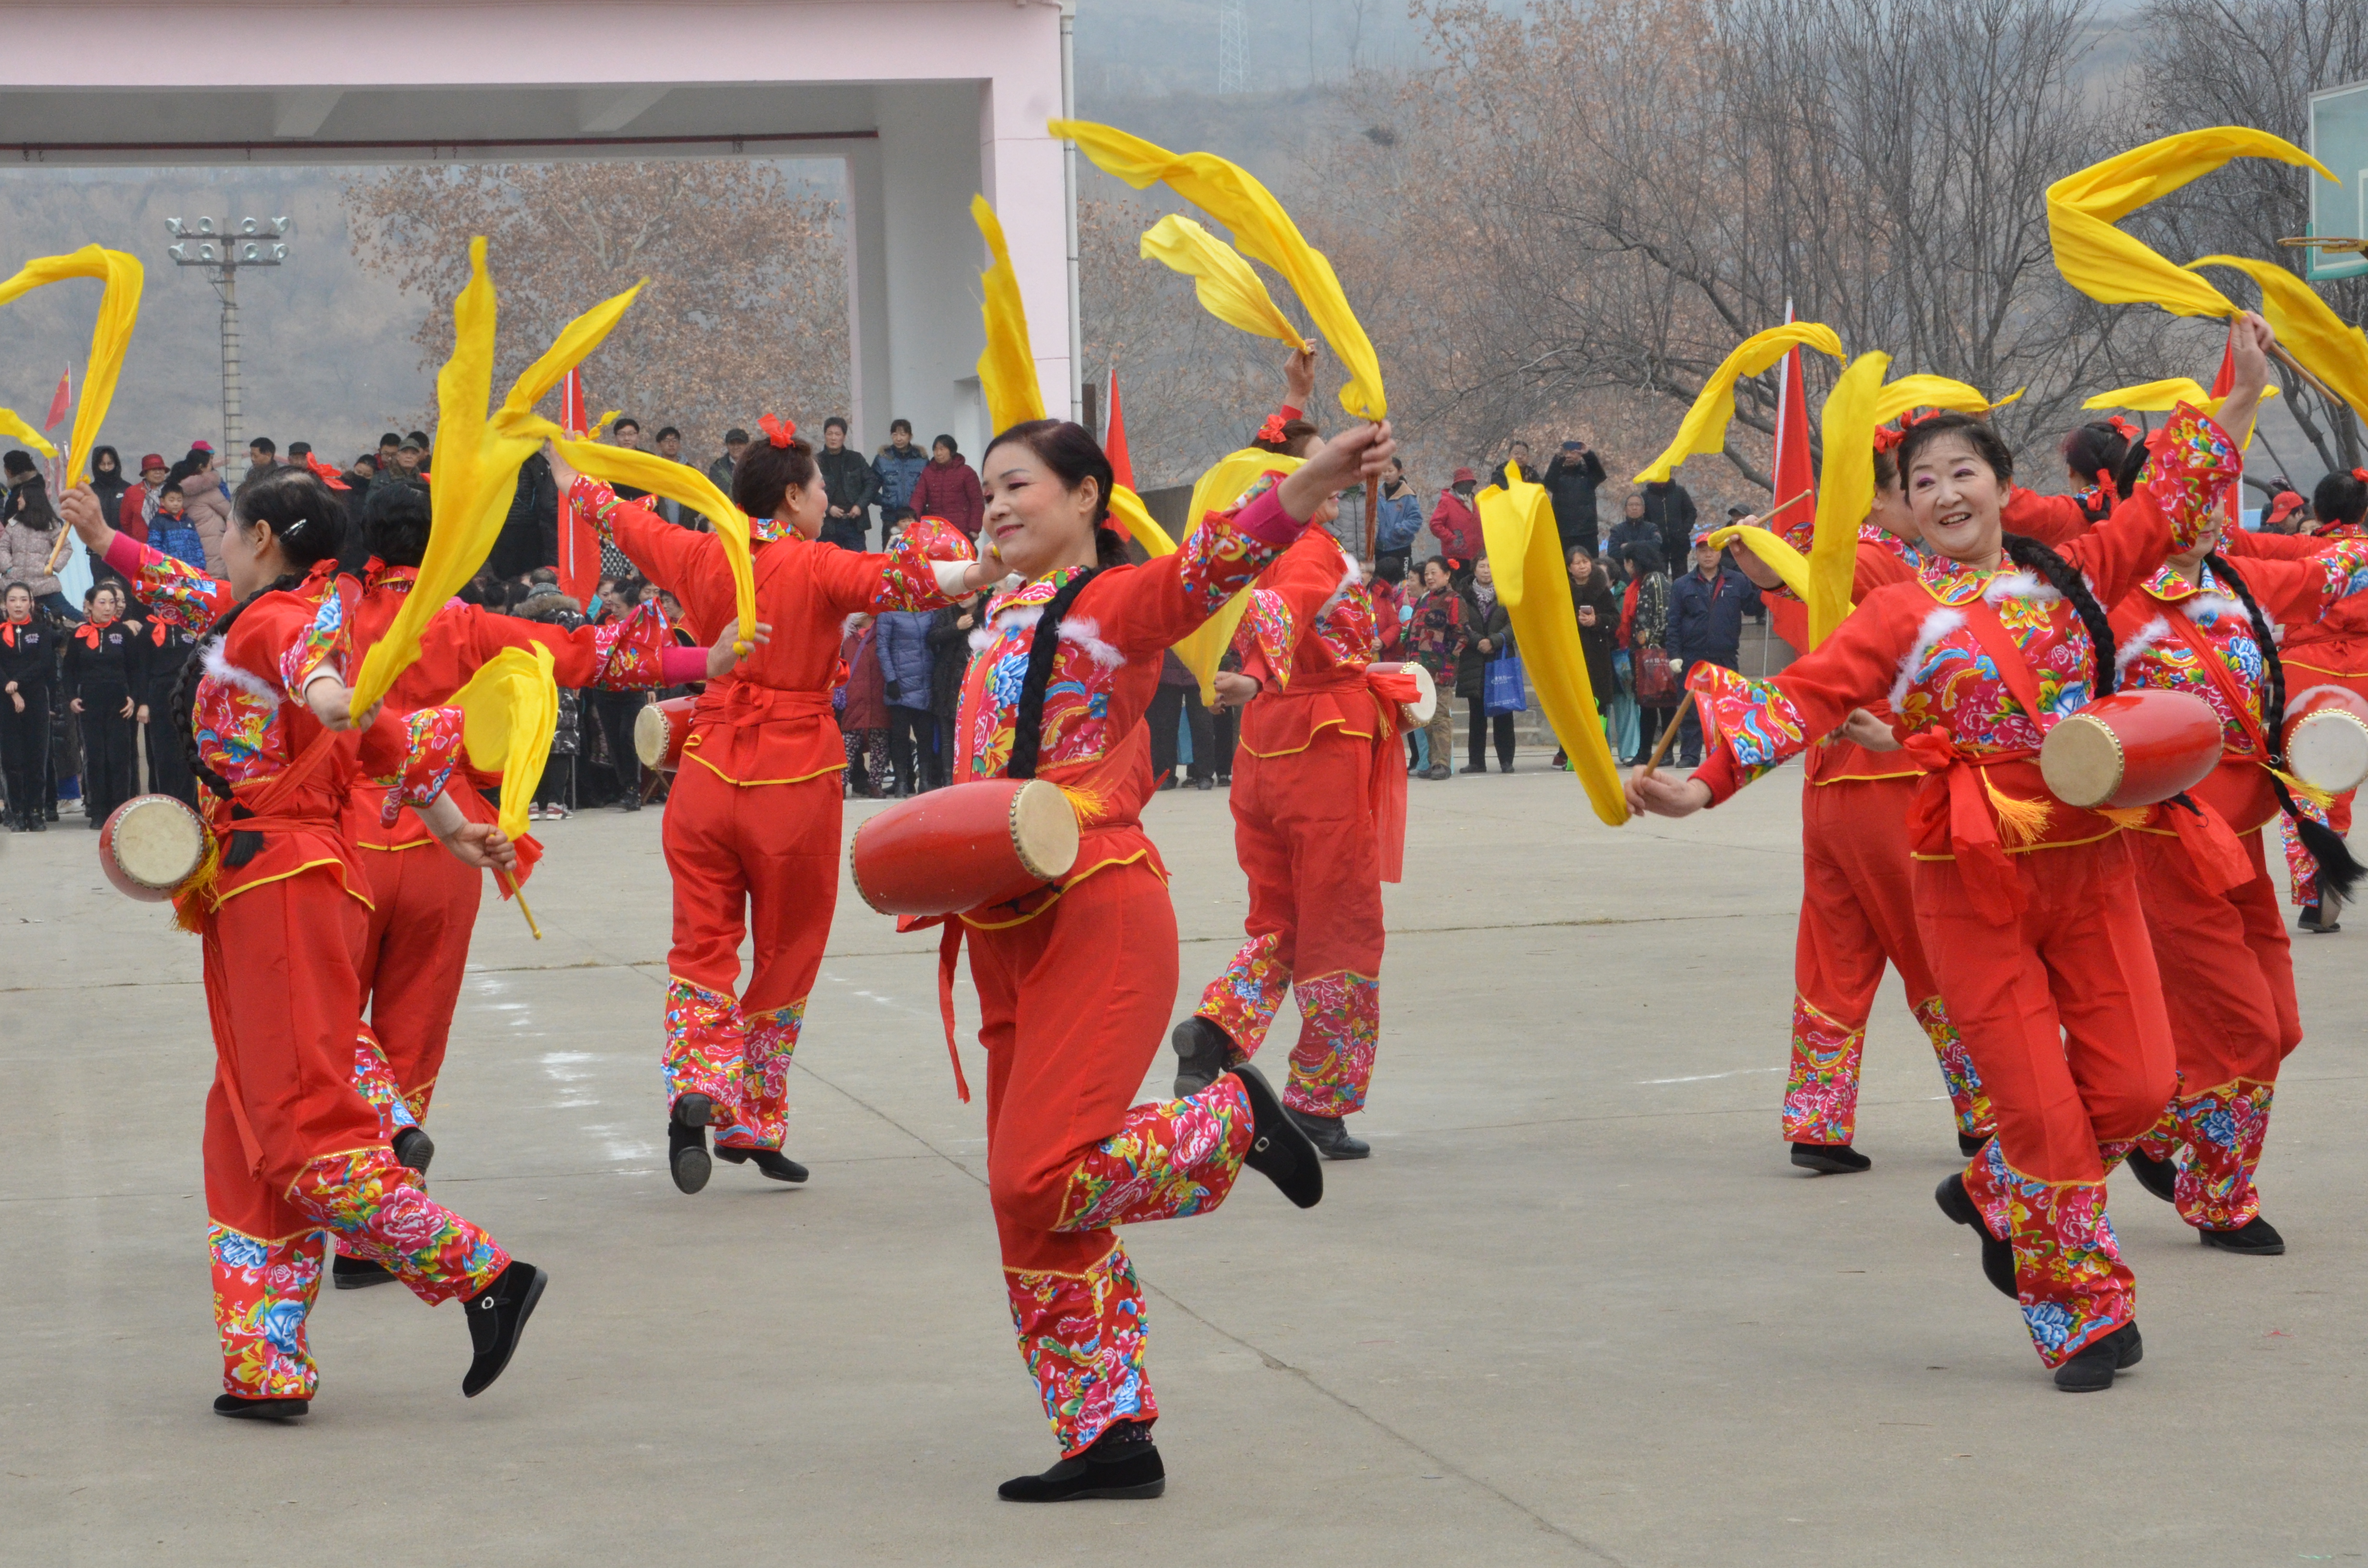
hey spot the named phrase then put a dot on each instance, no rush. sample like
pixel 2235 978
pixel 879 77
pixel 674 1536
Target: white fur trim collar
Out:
pixel 2132 649
pixel 1937 625
pixel 217 667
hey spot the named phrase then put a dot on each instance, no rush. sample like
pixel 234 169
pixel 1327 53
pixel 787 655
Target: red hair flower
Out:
pixel 2125 429
pixel 325 472
pixel 1272 429
pixel 1886 436
pixel 2360 474
pixel 781 432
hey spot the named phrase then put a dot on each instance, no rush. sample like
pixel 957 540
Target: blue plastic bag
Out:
pixel 1508 686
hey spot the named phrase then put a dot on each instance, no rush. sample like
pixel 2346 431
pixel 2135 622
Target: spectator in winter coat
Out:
pixel 899 467
pixel 909 676
pixel 1518 454
pixel 862 705
pixel 1706 610
pixel 849 486
pixel 1455 522
pixel 530 536
pixel 1436 642
pixel 1644 634
pixel 1487 634
pixel 1633 527
pixel 1671 510
pixel 1598 609
pixel 719 472
pixel 1175 707
pixel 31 539
pixel 208 501
pixel 1571 479
pixel 949 634
pixel 139 502
pixel 170 532
pixel 1397 520
pixel 948 488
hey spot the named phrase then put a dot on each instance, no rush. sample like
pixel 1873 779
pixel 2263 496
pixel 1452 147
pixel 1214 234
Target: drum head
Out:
pixel 1422 709
pixel 2081 761
pixel 1044 829
pixel 157 841
pixel 650 736
pixel 2328 750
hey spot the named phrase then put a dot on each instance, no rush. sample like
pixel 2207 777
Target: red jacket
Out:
pixel 867 687
pixel 950 491
pixel 1457 526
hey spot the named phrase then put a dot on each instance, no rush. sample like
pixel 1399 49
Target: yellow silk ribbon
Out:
pixel 1006 367
pixel 477 459
pixel 1262 230
pixel 1215 491
pixel 1783 560
pixel 1703 430
pixel 119 309
pixel 2108 265
pixel 1228 289
pixel 510 709
pixel 2328 347
pixel 12 426
pixel 1533 584
pixel 2161 397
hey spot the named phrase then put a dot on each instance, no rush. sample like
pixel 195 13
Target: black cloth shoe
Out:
pixel 1204 783
pixel 772 1162
pixel 1122 1463
pixel 1279 1150
pixel 1474 767
pixel 2091 1371
pixel 1997 1257
pixel 1201 1050
pixel 39 824
pixel 358 1273
pixel 1331 1136
pixel 1969 1144
pixel 497 1316
pixel 1830 1159
pixel 2312 922
pixel 2255 1238
pixel 239 1409
pixel 687 1142
pixel 413 1147
pixel 2158 1176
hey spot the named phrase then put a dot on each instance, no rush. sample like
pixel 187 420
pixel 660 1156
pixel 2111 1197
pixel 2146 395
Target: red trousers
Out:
pixel 423 911
pixel 1303 831
pixel 2234 1018
pixel 2065 1019
pixel 1075 1002
pixel 291 1146
pixel 764 856
pixel 1857 913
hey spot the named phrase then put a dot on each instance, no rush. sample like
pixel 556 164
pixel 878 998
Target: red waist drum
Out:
pixel 1416 714
pixel 2326 738
pixel 2134 748
pixel 151 844
pixel 659 731
pixel 957 849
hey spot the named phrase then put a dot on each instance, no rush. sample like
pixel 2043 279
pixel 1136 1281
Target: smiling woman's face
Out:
pixel 1035 522
pixel 1955 497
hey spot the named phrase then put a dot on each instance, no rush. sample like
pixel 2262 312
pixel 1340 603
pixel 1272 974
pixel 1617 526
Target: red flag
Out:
pixel 2227 376
pixel 571 402
pixel 1114 438
pixel 61 402
pixel 1796 505
pixel 2233 505
pixel 579 542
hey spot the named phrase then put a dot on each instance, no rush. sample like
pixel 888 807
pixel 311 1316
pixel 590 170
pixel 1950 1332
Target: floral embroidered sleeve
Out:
pixel 1266 637
pixel 1289 602
pixel 412 755
pixel 921 572
pixel 1145 609
pixel 2178 498
pixel 2295 592
pixel 326 646
pixel 175 594
pixel 1760 723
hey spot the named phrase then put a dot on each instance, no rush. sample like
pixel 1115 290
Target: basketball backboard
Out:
pixel 2338 138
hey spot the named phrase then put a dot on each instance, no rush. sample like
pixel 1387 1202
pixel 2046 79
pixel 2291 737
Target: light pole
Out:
pixel 222 255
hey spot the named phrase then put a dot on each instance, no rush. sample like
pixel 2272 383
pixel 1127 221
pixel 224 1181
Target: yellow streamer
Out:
pixel 1783 560
pixel 1703 430
pixel 2108 265
pixel 1215 491
pixel 1262 230
pixel 12 426
pixel 1006 367
pixel 111 338
pixel 477 459
pixel 1533 584
pixel 2161 397
pixel 510 709
pixel 2328 347
pixel 1228 289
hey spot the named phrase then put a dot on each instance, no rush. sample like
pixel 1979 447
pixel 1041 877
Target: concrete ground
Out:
pixel 1576 1309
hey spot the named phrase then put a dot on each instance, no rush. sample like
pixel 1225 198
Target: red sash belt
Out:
pixel 1389 782
pixel 1950 803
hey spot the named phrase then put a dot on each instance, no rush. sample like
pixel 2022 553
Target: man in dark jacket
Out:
pixel 908 670
pixel 1706 610
pixel 848 486
pixel 1571 479
pixel 1633 527
pixel 1671 510
pixel 530 536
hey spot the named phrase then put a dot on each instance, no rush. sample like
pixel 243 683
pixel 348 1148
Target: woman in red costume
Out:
pixel 2329 651
pixel 1075 980
pixel 1319 826
pixel 2204 625
pixel 291 1148
pixel 424 905
pixel 2028 906
pixel 752 827
pixel 1858 906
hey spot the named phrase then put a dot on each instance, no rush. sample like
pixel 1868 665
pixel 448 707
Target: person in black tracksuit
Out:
pixel 104 667
pixel 27 662
pixel 164 651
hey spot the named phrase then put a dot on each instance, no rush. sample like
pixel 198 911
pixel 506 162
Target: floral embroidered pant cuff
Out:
pixel 1340 1026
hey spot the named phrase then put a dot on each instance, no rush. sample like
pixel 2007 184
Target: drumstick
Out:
pixel 519 893
pixel 1668 732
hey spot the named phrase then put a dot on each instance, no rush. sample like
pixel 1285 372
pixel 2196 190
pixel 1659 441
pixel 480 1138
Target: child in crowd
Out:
pixel 170 532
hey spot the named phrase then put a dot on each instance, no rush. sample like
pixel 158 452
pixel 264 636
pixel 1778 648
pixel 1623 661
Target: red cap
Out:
pixel 1465 476
pixel 153 459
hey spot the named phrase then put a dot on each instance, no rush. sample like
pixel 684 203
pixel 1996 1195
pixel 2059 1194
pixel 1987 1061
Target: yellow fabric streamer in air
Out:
pixel 1007 368
pixel 510 709
pixel 2162 396
pixel 110 340
pixel 1228 289
pixel 2326 346
pixel 674 481
pixel 13 427
pixel 2108 265
pixel 1703 430
pixel 477 459
pixel 1533 584
pixel 1781 559
pixel 1262 230
pixel 1215 491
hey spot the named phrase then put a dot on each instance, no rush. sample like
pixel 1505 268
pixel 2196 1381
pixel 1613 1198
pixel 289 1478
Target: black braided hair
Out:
pixel 2066 579
pixel 1027 727
pixel 2337 869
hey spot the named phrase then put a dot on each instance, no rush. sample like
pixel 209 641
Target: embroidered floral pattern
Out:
pixel 433 751
pixel 1753 719
pixel 180 594
pixel 1340 1025
pixel 2301 866
pixel 325 645
pixel 1268 626
pixel 1974 1118
pixel 263 1293
pixel 1169 1159
pixel 2218 1136
pixel 1821 1085
pixel 910 581
pixel 1949 680
pixel 629 649
pixel 376 1081
pixel 380 1211
pixel 2071 1280
pixel 2193 464
pixel 1081 1335
pixel 761 1102
pixel 703 1045
pixel 237 718
pixel 1219 561
pixel 1242 1000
